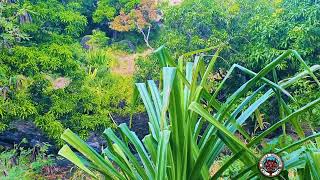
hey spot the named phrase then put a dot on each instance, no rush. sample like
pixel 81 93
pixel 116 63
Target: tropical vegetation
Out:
pixel 158 89
pixel 189 127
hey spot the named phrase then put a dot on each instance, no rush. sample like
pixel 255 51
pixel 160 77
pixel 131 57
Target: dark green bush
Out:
pixel 48 78
pixel 146 68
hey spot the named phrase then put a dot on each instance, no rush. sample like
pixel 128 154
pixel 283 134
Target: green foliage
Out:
pixel 292 23
pixel 99 58
pixel 146 68
pixel 119 95
pixel 53 16
pixel 234 168
pixel 50 79
pixel 175 148
pixel 305 90
pixel 108 9
pixel 9 26
pixel 98 39
pixel 23 163
pixel 278 143
pixel 201 26
pixel 256 31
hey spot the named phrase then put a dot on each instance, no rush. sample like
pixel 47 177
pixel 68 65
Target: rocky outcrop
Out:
pixel 19 130
pixel 84 43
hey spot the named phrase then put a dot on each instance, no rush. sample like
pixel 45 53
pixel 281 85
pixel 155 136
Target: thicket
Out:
pixel 56 59
pixel 56 56
pixel 189 127
pixel 256 32
pixel 49 77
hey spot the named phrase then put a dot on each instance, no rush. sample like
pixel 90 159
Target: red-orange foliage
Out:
pixel 140 17
pixel 122 22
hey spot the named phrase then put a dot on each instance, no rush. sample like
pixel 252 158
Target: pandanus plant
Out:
pixel 189 126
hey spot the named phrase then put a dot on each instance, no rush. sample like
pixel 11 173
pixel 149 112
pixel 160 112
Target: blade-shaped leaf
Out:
pixel 66 152
pixel 162 155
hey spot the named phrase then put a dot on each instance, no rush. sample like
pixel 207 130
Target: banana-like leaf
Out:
pixel 154 122
pixel 314 163
pixel 121 161
pixel 249 72
pixel 202 158
pixel 232 125
pixel 156 97
pixel 66 152
pixel 166 61
pixel 148 165
pixel 169 74
pixel 151 146
pixel 210 67
pixel 109 134
pixel 100 163
pixel 224 131
pixel 162 155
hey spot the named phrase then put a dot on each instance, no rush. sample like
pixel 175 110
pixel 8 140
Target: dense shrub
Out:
pixel 256 31
pixel 305 90
pixel 146 68
pixel 48 77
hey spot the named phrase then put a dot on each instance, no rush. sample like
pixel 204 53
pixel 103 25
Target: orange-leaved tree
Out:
pixel 139 19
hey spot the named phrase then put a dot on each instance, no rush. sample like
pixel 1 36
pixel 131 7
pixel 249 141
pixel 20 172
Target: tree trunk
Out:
pixel 145 36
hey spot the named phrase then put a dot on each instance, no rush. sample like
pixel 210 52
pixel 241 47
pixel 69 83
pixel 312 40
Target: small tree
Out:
pixel 139 19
